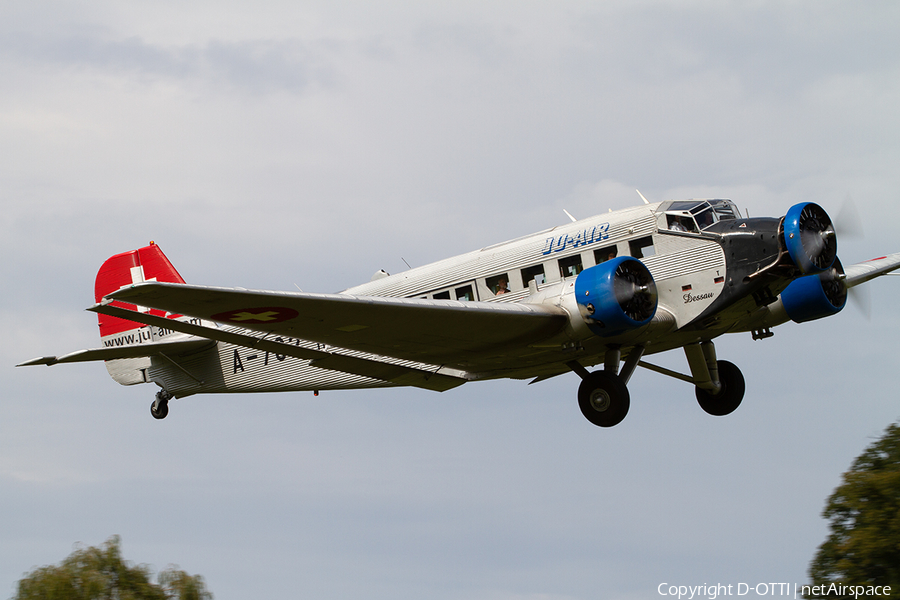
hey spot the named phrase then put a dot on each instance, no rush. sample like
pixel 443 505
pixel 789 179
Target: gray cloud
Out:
pixel 275 145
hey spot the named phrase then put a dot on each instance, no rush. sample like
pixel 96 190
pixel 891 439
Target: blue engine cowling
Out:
pixel 809 238
pixel 816 296
pixel 616 296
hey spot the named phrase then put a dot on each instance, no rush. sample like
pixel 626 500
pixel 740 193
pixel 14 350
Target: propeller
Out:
pixel 849 225
pixel 817 236
pixel 635 291
pixel 833 284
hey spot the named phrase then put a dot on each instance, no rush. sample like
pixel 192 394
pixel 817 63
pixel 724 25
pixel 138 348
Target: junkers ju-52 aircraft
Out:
pixel 608 290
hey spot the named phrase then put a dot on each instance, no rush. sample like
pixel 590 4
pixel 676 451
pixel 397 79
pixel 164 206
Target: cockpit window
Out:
pixel 681 223
pixel 689 215
pixel 724 210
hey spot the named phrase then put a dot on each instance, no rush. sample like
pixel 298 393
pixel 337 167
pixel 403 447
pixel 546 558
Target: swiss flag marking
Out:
pixel 256 316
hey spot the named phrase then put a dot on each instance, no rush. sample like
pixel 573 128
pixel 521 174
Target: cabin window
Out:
pixel 642 247
pixel 442 295
pixel 498 284
pixel 570 266
pixel 604 254
pixel 465 293
pixel 535 273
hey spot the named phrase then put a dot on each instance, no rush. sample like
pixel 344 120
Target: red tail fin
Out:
pixel 145 264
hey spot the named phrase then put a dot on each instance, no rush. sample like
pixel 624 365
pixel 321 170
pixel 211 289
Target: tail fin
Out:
pixel 144 264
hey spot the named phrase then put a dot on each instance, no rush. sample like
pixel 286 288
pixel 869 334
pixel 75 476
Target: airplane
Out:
pixel 608 290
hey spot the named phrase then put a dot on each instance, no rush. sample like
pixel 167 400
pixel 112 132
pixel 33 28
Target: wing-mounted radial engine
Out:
pixel 616 296
pixel 613 298
pixel 816 296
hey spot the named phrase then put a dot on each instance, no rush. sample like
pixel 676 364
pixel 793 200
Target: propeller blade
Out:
pixel 862 299
pixel 849 223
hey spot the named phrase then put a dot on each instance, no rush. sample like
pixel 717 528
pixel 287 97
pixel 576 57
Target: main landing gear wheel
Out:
pixel 603 398
pixel 160 407
pixel 731 394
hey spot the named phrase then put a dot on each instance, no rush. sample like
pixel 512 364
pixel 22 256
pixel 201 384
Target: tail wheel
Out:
pixel 731 394
pixel 159 408
pixel 603 398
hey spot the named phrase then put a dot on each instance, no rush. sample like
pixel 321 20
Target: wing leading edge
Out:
pixel 865 271
pixel 417 375
pixel 438 332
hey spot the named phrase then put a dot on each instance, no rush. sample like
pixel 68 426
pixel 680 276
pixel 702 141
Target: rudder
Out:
pixel 128 268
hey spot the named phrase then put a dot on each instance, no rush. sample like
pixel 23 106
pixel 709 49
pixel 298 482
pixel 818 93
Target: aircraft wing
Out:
pixel 438 332
pixel 864 271
pixel 428 377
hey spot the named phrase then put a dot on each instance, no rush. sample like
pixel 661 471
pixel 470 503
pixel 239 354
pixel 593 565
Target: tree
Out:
pixel 863 547
pixel 101 574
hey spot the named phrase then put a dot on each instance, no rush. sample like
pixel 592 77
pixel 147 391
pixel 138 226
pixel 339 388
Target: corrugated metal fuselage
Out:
pixel 691 270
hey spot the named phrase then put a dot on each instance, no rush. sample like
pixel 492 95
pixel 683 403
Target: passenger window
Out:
pixel 465 293
pixel 642 247
pixel 499 284
pixel 570 266
pixel 535 273
pixel 604 254
pixel 442 295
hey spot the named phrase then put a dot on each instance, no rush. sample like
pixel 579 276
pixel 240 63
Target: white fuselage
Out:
pixel 688 268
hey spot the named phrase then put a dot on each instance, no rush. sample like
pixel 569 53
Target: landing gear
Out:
pixel 729 396
pixel 719 383
pixel 160 407
pixel 603 398
pixel 603 395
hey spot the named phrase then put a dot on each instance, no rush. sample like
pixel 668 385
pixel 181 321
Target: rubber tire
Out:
pixel 603 398
pixel 731 394
pixel 159 409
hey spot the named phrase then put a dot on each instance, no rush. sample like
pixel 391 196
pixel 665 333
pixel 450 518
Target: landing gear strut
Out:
pixel 160 407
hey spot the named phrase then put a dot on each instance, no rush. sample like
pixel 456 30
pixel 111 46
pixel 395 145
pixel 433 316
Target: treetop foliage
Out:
pixel 863 547
pixel 101 574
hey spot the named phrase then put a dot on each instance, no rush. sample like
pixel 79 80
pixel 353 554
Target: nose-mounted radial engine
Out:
pixel 809 238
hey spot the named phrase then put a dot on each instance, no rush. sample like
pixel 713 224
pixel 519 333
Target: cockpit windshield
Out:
pixel 694 215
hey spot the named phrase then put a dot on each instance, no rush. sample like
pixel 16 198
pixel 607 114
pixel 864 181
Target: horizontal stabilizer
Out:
pixel 394 373
pixel 137 351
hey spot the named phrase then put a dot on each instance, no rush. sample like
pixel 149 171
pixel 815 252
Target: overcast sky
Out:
pixel 285 144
